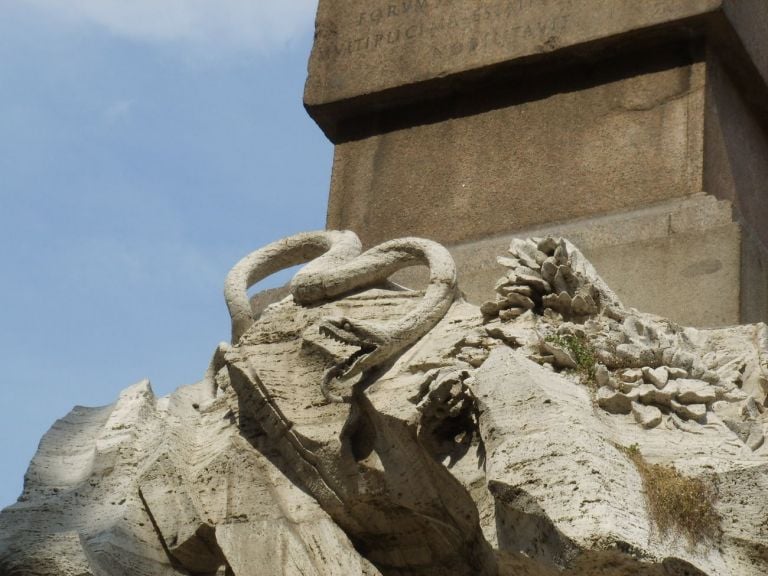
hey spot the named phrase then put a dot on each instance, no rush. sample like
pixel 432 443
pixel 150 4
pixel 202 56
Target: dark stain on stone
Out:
pixel 702 268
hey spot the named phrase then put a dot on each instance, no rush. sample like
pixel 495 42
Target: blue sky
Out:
pixel 143 151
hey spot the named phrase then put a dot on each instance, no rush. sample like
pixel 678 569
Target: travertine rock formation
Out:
pixel 356 427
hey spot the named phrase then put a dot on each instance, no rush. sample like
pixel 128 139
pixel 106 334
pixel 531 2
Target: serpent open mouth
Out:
pixel 347 332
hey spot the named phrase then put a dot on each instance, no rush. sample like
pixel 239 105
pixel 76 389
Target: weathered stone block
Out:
pixel 381 54
pixel 614 146
pixel 495 118
pixel 690 244
pixel 382 45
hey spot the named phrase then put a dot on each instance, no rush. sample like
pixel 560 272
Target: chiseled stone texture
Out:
pixel 383 54
pixel 750 20
pixel 691 244
pixel 478 448
pixel 610 147
pixel 84 506
pixel 736 169
pixel 536 425
pixel 368 47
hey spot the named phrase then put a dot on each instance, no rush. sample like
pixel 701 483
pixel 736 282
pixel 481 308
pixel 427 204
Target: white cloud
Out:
pixel 261 25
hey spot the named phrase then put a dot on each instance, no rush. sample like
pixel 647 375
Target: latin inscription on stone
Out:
pixel 370 46
pixel 446 31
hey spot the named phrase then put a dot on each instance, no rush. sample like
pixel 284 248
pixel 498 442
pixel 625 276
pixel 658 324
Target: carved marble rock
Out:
pixel 356 427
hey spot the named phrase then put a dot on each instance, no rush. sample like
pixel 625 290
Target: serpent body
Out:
pixel 336 266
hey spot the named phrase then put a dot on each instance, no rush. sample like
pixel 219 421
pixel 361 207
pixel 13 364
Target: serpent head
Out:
pixel 372 342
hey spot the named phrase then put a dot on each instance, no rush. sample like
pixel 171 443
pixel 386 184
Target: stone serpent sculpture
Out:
pixel 371 505
pixel 336 266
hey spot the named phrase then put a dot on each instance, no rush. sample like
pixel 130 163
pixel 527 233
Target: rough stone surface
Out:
pixel 735 168
pixel 642 136
pixel 613 401
pixel 148 472
pixel 364 49
pixel 383 56
pixel 584 108
pixel 691 244
pixel 656 376
pixel 749 18
pixel 646 416
pixel 695 391
pixel 470 450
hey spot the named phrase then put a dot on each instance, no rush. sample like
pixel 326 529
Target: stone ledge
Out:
pixel 690 244
pixel 358 78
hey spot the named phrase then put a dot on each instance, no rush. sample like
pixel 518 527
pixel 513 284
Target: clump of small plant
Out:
pixel 677 502
pixel 581 351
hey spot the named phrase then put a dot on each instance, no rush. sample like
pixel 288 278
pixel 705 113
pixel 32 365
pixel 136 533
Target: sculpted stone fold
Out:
pixel 356 427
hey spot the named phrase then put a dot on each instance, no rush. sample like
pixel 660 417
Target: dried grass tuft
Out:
pixel 677 503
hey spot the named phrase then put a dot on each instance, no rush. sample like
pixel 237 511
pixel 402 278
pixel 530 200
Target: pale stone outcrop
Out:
pixel 481 440
pixel 153 486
